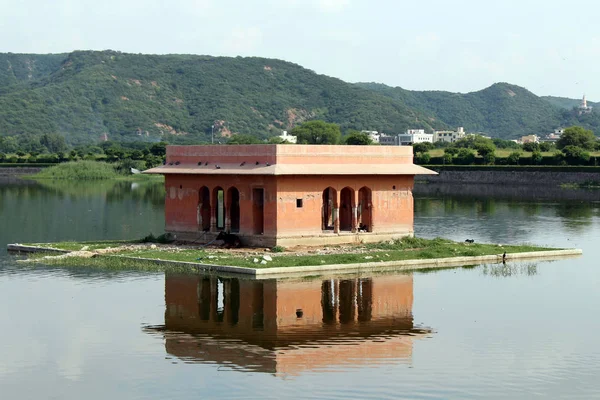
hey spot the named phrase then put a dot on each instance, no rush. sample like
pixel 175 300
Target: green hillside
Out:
pixel 565 102
pixel 85 94
pixel 501 110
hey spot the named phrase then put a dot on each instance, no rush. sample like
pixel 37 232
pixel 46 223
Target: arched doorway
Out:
pixel 329 204
pixel 365 223
pixel 233 208
pixel 346 205
pixel 218 202
pixel 204 209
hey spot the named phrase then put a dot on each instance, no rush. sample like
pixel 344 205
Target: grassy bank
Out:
pixel 405 249
pixel 89 170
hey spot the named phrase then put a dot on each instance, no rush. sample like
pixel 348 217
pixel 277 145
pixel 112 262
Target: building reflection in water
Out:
pixel 287 327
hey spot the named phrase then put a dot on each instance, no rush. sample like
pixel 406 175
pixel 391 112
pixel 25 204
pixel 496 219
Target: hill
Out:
pixel 565 102
pixel 86 94
pixel 501 110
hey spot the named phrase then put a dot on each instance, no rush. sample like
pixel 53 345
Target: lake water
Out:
pixel 524 330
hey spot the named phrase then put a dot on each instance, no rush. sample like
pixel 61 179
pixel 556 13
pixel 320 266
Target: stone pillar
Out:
pixel 336 212
pixel 213 218
pixel 355 212
pixel 336 220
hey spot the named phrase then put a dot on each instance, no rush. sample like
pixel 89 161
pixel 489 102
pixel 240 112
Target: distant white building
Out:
pixel 583 107
pixel 553 137
pixel 449 136
pixel 411 136
pixel 288 138
pixel 530 139
pixel 373 135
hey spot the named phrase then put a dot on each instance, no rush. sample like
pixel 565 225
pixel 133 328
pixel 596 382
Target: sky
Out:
pixel 548 47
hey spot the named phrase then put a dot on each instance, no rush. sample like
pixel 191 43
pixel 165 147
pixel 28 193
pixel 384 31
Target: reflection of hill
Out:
pixel 280 326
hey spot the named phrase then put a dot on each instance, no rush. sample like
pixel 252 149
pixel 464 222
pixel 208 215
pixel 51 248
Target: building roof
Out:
pixel 294 169
pixel 290 160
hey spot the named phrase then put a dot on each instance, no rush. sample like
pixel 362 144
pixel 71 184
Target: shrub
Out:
pixel 513 158
pixel 575 155
pixel 465 156
pixel 536 158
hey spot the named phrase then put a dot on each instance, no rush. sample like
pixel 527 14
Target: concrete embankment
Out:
pixel 553 176
pixel 402 265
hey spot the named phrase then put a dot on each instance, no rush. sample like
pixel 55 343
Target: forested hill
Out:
pixel 86 94
pixel 501 110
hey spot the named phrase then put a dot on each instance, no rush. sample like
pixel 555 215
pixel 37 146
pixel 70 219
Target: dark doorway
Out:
pixel 346 204
pixel 364 210
pixel 327 219
pixel 233 197
pixel 204 209
pixel 258 210
pixel 219 204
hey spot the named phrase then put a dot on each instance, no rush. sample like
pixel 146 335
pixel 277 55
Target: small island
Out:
pixel 409 253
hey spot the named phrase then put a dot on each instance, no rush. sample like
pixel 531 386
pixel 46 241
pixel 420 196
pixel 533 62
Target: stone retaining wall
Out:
pixel 16 171
pixel 514 177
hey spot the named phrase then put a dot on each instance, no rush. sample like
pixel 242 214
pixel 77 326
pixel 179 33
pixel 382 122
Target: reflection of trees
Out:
pixel 151 191
pixel 575 215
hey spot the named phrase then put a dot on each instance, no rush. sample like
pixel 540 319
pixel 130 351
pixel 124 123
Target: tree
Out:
pixel 578 137
pixel 531 146
pixel 575 155
pixel 243 139
pixel 546 146
pixel 513 158
pixel 358 138
pixel 465 156
pixel 158 149
pixel 536 157
pixel 53 142
pixel 317 132
pixel 422 147
pixel 423 158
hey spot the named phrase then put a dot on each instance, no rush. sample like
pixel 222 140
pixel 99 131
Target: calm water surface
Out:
pixel 524 330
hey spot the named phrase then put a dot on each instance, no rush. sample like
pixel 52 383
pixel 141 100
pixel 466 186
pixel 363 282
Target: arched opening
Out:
pixel 218 202
pixel 204 209
pixel 329 204
pixel 233 207
pixel 365 223
pixel 346 205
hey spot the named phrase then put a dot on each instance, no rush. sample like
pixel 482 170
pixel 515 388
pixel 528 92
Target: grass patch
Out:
pixel 88 170
pixel 398 250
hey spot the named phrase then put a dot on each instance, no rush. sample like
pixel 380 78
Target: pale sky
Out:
pixel 550 47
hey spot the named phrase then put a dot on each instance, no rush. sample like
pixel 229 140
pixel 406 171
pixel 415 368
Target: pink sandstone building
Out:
pixel 285 195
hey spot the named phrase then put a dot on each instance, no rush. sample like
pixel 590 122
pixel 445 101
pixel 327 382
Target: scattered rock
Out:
pixel 368 257
pixel 267 258
pixel 263 262
pixel 85 248
pixel 153 246
pixel 255 260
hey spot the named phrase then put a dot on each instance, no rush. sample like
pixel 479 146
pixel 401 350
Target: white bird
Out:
pixel 135 171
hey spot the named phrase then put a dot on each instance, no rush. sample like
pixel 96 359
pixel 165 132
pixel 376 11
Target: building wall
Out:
pixel 391 196
pixel 183 198
pixel 284 222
